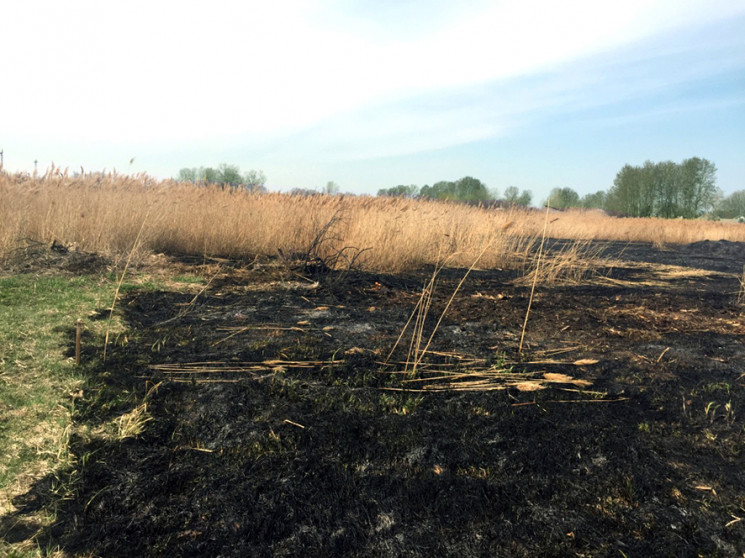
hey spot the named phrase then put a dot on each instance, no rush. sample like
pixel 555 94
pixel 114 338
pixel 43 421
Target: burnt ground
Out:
pixel 277 429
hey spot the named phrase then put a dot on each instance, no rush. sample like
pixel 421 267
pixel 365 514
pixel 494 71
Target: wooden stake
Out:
pixel 78 330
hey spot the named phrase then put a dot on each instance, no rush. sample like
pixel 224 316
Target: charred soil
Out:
pixel 279 426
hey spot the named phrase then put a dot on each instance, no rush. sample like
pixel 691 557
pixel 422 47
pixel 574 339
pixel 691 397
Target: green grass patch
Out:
pixel 39 380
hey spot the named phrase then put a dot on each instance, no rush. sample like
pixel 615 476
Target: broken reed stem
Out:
pixel 421 318
pixel 535 279
pixel 119 284
pixel 450 302
pixel 417 312
pixel 421 311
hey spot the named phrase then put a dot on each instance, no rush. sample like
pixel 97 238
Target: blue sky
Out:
pixel 372 94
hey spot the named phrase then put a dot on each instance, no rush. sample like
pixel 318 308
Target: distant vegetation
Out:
pixel 665 189
pixel 225 175
pixel 467 189
pixel 732 207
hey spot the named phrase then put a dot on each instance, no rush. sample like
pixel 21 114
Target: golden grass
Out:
pixel 104 214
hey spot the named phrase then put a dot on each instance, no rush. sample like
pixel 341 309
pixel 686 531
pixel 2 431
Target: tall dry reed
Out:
pixel 104 213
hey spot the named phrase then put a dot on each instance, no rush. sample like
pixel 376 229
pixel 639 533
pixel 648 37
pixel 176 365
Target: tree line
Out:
pixel 466 189
pixel 226 176
pixel 665 189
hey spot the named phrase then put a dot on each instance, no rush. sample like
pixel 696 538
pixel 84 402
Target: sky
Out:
pixel 371 94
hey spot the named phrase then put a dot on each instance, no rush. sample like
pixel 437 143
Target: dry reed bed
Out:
pixel 105 213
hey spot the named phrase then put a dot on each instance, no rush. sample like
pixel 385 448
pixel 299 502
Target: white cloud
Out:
pixel 352 78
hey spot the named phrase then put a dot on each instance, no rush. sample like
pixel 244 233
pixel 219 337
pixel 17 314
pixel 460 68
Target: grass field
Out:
pixel 39 382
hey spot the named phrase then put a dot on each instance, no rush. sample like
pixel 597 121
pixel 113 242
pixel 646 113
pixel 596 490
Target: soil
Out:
pixel 281 426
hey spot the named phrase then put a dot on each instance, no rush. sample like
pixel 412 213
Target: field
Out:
pixel 351 376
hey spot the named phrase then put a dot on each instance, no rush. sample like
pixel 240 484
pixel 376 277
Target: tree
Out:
pixel 442 190
pixel 254 181
pixel 188 175
pixel 634 191
pixel 594 201
pixel 225 175
pixel 331 188
pixel 733 206
pixel 669 176
pixel 513 196
pixel 466 189
pixel 698 186
pixel 626 194
pixel 563 198
pixel 664 189
pixel 401 191
pixel 229 175
pixel 209 175
pixel 650 185
pixel 471 189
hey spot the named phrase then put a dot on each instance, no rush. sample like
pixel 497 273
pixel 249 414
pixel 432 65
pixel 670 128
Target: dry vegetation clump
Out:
pixel 104 213
pixel 596 225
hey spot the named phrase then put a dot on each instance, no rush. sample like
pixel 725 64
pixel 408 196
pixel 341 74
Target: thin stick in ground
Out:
pixel 119 285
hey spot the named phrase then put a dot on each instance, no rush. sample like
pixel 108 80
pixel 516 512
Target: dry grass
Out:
pixel 104 214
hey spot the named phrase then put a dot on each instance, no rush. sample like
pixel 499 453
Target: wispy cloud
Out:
pixel 167 70
pixel 344 80
pixel 648 74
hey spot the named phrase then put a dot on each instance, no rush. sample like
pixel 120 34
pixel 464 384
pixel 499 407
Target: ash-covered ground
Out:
pixel 278 429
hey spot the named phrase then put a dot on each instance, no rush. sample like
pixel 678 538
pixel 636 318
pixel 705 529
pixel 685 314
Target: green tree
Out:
pixel 626 195
pixel 229 175
pixel 471 189
pixel 401 191
pixel 698 187
pixel 209 175
pixel 442 190
pixel 733 206
pixel 563 198
pixel 668 190
pixel 650 185
pixel 465 189
pixel 254 181
pixel 594 201
pixel 225 175
pixel 199 175
pixel 513 196
pixel 331 188
pixel 188 175
pixel 665 189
